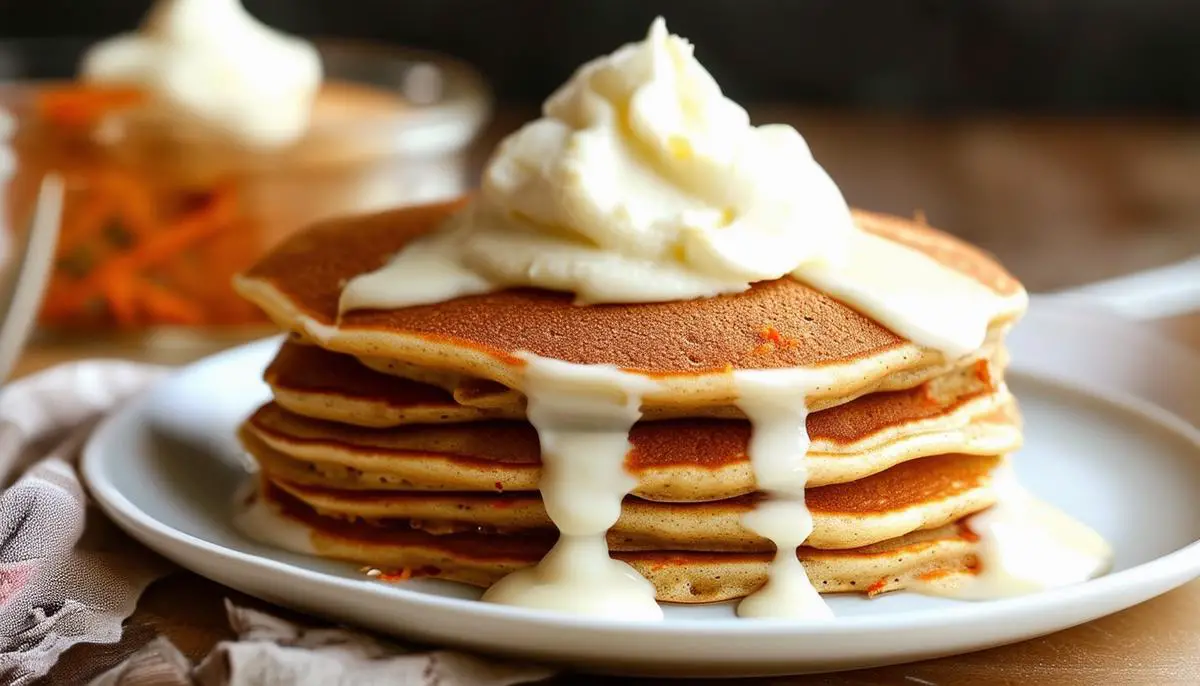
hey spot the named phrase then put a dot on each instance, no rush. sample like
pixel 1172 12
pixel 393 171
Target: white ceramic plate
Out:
pixel 1111 431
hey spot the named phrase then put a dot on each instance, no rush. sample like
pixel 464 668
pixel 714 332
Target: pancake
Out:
pixel 673 460
pixel 316 383
pixel 924 557
pixel 467 390
pixel 689 347
pixel 922 494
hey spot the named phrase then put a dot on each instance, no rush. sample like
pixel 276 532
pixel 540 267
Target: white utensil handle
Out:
pixel 8 167
pixel 1151 294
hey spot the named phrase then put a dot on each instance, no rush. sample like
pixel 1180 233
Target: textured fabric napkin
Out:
pixel 68 576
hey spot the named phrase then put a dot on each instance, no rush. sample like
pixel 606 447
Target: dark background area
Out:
pixel 937 56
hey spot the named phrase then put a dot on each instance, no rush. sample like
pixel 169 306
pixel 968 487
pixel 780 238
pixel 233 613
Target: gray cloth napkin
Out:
pixel 68 576
pixel 274 652
pixel 64 579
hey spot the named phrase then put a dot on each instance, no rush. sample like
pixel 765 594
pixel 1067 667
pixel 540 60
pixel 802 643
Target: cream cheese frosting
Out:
pixel 641 182
pixel 211 66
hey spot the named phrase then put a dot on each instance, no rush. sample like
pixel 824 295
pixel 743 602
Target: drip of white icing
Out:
pixel 1025 546
pixel 430 272
pixel 775 401
pixel 583 414
pixel 911 293
pixel 261 521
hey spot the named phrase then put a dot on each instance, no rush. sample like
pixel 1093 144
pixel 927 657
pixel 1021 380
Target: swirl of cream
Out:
pixel 641 182
pixel 211 66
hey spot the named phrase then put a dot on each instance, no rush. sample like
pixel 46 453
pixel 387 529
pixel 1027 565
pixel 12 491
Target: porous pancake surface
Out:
pixel 922 494
pixel 673 460
pixel 678 576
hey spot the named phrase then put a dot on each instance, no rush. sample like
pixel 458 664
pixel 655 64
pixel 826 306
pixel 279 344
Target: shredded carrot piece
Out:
pixel 134 202
pixel 172 240
pixel 772 339
pixel 109 244
pixel 82 105
pixel 128 250
pixel 83 224
pixel 161 305
pixel 967 533
pixel 665 562
pixel 934 575
pixel 877 587
pixel 928 396
pixel 396 577
pixel 771 335
pixel 983 370
pixel 119 290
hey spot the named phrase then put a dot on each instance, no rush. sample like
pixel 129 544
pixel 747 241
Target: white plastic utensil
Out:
pixel 1151 294
pixel 23 282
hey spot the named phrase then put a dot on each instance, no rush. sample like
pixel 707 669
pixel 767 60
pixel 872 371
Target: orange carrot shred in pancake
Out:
pixel 934 575
pixel 967 534
pixel 983 370
pixel 877 587
pixel 396 577
pixel 772 339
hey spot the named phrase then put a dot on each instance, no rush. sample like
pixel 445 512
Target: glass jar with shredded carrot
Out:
pixel 155 224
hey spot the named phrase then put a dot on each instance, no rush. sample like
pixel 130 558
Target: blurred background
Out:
pixel 1061 135
pixel 937 56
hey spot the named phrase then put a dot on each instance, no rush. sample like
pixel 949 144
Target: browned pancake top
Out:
pixel 774 324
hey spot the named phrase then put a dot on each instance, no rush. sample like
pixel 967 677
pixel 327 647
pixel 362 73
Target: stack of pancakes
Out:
pixel 398 438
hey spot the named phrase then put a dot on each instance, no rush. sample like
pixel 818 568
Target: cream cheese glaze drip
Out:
pixel 1026 545
pixel 583 414
pixel 210 66
pixel 776 404
pixel 261 521
pixel 642 183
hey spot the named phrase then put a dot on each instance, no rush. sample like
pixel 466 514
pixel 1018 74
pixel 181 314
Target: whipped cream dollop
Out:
pixel 210 65
pixel 641 182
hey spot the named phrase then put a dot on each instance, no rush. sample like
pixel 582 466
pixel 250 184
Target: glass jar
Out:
pixel 155 224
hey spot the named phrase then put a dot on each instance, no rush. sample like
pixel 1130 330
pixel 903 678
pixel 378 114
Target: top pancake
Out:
pixel 774 324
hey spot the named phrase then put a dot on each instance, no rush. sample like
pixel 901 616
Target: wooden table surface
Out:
pixel 1062 202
